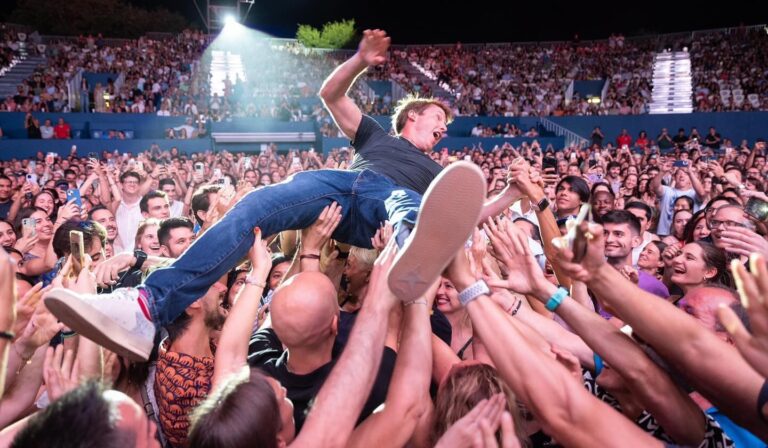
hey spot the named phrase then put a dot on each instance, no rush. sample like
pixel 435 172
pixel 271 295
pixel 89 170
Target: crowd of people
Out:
pixel 388 294
pixel 172 77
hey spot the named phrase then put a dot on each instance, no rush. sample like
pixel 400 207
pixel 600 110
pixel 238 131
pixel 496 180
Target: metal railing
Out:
pixel 571 138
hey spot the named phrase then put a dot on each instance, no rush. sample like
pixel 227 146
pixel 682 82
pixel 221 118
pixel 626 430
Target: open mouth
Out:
pixel 154 246
pixel 443 301
pixel 437 135
pixel 679 270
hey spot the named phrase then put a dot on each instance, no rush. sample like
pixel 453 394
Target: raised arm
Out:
pixel 372 51
pixel 673 409
pixel 565 409
pixel 712 366
pixel 408 394
pixel 232 351
pixel 656 185
pixel 341 399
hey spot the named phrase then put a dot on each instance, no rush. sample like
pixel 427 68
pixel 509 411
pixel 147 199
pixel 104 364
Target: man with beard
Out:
pixel 106 218
pixel 185 363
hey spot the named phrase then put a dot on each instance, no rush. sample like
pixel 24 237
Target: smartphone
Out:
pixel 50 158
pixel 32 165
pixel 549 162
pixel 467 158
pixel 247 163
pixel 140 166
pixel 595 178
pixel 757 208
pixel 77 251
pixel 296 161
pixel 28 227
pixel 111 162
pixel 217 172
pixel 199 168
pixel 680 163
pixel 93 155
pixel 574 237
pixel 75 194
pixel 32 178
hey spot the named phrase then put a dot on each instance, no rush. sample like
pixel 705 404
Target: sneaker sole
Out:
pixel 447 217
pixel 94 325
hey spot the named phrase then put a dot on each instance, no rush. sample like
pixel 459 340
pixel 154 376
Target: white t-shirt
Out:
pixel 177 208
pixel 667 206
pixel 128 217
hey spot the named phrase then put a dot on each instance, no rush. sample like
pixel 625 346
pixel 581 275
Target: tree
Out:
pixel 333 35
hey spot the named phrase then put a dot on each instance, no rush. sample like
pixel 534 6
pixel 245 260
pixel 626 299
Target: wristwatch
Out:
pixel 542 205
pixel 474 291
pixel 141 257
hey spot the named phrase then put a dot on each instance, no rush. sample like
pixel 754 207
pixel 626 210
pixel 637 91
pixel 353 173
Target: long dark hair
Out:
pixel 715 258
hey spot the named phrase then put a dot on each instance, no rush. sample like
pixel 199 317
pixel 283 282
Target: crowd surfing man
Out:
pixel 385 182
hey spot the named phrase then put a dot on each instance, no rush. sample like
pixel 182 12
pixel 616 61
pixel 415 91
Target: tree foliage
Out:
pixel 333 35
pixel 112 18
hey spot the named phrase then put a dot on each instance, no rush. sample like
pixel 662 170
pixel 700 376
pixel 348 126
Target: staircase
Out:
pixel 19 71
pixel 672 85
pixel 225 65
pixel 428 78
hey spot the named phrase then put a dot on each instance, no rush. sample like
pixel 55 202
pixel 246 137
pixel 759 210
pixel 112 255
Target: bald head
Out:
pixel 304 310
pixel 702 304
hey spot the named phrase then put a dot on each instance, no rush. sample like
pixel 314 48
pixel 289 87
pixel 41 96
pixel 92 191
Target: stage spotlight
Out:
pixel 229 20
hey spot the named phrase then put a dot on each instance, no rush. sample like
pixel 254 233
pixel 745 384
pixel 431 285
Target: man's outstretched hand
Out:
pixel 373 47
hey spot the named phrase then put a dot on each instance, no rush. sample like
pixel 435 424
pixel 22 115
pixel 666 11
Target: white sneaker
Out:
pixel 447 217
pixel 114 321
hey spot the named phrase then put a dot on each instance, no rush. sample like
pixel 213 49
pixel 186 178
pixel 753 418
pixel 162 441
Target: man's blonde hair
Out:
pixel 418 104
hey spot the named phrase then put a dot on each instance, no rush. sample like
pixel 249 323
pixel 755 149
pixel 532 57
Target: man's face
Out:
pixel 566 199
pixel 682 181
pixel 428 127
pixel 602 203
pixel 96 252
pixel 158 208
pixel 640 215
pixel 213 313
pixel 149 242
pixel 130 185
pixel 619 240
pixel 170 191
pixel 71 178
pixel 107 219
pixel 5 189
pixel 573 170
pixel 614 171
pixel 179 240
pixel 723 218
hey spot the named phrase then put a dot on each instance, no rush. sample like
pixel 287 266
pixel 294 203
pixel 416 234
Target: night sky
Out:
pixel 413 21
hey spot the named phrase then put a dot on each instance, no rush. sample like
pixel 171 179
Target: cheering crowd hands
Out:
pixel 477 429
pixel 752 286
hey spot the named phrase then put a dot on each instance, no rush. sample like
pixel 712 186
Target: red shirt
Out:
pixel 624 140
pixel 61 131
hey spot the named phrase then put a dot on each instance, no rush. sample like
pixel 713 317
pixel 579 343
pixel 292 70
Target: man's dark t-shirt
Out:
pixel 5 208
pixel 394 157
pixel 266 353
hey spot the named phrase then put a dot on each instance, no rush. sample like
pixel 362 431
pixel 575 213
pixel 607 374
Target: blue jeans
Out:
pixel 366 199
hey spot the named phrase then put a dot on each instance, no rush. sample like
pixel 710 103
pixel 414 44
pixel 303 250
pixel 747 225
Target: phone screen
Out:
pixel 74 194
pixel 76 248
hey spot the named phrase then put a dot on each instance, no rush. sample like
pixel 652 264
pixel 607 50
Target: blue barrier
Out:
pixel 732 125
